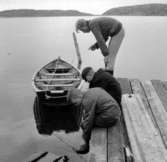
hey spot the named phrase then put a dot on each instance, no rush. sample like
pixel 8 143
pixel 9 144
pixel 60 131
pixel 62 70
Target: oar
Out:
pixel 77 51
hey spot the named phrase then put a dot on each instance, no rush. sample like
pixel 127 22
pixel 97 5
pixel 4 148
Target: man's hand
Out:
pixel 92 48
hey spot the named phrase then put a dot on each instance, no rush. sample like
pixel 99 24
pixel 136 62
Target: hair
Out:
pixel 79 24
pixel 73 95
pixel 85 71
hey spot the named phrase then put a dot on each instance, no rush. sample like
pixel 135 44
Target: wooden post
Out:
pixel 77 51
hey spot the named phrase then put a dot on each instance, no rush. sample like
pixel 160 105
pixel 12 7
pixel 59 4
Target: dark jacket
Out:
pixel 106 81
pixel 102 28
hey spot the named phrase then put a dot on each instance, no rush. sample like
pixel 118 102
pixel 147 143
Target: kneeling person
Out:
pixel 99 109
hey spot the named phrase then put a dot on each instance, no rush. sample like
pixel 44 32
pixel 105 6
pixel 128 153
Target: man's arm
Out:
pixel 101 42
pixel 96 46
pixel 89 105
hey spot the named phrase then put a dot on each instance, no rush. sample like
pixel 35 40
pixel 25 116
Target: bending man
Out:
pixel 103 28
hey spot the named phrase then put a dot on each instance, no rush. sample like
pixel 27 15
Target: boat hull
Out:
pixel 51 108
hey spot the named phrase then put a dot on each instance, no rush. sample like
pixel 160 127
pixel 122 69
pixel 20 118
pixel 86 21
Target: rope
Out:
pixel 69 145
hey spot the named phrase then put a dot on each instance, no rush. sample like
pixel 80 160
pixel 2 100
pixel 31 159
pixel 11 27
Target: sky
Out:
pixel 90 6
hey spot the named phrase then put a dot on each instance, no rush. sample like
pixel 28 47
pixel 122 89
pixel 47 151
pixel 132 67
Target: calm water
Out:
pixel 26 44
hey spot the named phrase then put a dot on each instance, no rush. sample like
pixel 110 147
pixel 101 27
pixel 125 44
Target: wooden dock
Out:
pixel 141 135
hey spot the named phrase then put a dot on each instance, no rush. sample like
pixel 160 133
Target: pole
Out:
pixel 77 51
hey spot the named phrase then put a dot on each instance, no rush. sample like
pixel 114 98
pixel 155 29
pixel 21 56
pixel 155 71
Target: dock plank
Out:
pixel 125 85
pixel 161 90
pixel 165 84
pixel 145 140
pixel 98 146
pixel 115 144
pixel 157 108
pixel 126 89
pixel 137 88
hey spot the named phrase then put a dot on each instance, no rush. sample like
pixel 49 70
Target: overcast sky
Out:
pixel 91 6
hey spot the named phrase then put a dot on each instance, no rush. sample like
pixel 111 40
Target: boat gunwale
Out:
pixel 37 71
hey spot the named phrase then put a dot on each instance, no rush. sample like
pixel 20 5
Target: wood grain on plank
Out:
pixel 98 146
pixel 161 90
pixel 137 88
pixel 115 143
pixel 145 140
pixel 126 89
pixel 125 85
pixel 157 108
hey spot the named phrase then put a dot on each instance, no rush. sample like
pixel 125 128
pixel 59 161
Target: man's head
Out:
pixel 88 74
pixel 82 25
pixel 75 96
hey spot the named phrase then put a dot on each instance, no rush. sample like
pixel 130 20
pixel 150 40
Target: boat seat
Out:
pixel 58 70
pixel 58 74
pixel 58 79
pixel 57 85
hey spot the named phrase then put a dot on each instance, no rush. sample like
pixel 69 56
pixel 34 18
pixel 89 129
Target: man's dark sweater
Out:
pixel 103 28
pixel 106 81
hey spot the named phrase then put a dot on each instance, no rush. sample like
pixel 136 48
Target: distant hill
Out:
pixel 140 10
pixel 155 9
pixel 41 13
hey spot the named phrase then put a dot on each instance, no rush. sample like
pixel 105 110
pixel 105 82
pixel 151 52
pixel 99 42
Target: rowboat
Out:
pixel 55 79
pixel 52 84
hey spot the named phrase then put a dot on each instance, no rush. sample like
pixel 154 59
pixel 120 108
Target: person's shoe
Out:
pixel 84 149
